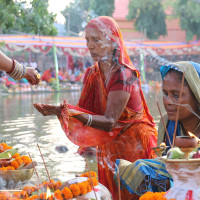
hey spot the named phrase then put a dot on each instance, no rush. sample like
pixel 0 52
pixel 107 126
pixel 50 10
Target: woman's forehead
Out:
pixel 92 32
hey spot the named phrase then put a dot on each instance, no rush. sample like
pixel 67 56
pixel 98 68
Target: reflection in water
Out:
pixel 23 127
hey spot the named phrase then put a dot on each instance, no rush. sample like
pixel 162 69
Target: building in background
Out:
pixel 174 32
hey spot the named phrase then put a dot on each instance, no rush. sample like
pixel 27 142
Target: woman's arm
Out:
pixel 6 64
pixel 116 103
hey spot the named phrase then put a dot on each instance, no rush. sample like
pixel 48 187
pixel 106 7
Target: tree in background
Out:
pixel 36 19
pixel 188 11
pixel 76 15
pixel 149 17
pixel 103 7
pixel 79 12
pixel 9 12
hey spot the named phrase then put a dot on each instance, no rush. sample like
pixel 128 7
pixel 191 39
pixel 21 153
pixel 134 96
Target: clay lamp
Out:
pixel 186 143
pixel 159 150
pixel 5 161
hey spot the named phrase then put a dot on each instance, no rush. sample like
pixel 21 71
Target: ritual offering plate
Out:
pixel 12 178
pixel 185 173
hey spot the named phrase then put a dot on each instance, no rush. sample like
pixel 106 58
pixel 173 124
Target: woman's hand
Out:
pixel 32 76
pixel 47 109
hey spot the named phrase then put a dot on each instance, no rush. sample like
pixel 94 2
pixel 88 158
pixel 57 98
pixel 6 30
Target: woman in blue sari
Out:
pixel 151 174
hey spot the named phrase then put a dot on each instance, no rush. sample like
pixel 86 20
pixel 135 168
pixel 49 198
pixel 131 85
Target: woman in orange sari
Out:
pixel 111 113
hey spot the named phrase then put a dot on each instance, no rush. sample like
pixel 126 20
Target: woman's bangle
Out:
pixel 13 67
pixel 89 122
pixel 18 71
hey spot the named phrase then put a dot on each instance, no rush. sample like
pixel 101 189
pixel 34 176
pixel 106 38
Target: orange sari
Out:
pixel 132 143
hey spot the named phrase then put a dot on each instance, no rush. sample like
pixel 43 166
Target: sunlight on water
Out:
pixel 23 127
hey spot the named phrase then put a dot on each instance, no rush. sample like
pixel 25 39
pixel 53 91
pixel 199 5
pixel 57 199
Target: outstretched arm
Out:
pixel 17 71
pixel 116 103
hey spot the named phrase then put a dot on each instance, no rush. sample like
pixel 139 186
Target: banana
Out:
pixel 6 153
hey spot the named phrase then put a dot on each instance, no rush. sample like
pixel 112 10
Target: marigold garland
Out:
pixel 154 196
pixel 70 192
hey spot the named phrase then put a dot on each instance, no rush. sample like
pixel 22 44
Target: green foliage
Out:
pixel 37 19
pixel 9 11
pixel 76 14
pixel 149 17
pixel 103 7
pixel 79 12
pixel 188 12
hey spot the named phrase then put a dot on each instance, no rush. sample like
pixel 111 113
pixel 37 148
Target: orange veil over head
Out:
pixel 94 95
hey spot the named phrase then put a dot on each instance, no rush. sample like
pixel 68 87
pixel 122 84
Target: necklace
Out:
pixel 196 127
pixel 106 78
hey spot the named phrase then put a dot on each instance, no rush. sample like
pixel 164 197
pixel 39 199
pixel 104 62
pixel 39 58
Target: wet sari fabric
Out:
pixel 130 143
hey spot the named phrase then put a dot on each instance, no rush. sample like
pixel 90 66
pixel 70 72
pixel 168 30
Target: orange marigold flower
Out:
pixel 24 194
pixel 94 181
pixel 45 183
pixel 26 160
pixel 89 189
pixel 67 193
pixel 3 168
pixel 35 196
pixel 92 174
pixel 58 184
pixel 28 189
pixel 58 195
pixel 19 160
pixel 83 187
pixel 43 195
pixel 17 195
pixel 52 184
pixel 16 155
pixel 10 168
pixel 75 189
pixel 15 164
pixel 3 197
pixel 6 194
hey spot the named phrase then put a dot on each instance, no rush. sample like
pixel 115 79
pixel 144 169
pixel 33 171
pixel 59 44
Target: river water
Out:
pixel 23 127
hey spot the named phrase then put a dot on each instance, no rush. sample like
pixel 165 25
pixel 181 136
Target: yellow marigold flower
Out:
pixel 58 195
pixel 58 184
pixel 15 164
pixel 16 155
pixel 83 187
pixel 67 193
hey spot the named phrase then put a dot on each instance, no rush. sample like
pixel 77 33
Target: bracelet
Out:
pixel 18 71
pixel 13 67
pixel 89 122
